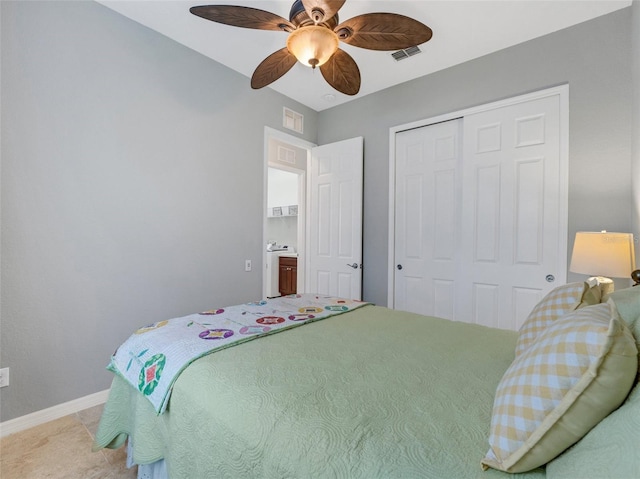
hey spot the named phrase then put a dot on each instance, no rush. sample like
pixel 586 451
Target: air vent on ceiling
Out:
pixel 406 53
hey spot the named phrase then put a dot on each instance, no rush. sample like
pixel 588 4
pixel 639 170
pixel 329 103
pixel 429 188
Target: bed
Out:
pixel 369 393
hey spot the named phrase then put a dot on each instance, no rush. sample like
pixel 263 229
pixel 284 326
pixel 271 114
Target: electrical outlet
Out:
pixel 4 377
pixel 247 265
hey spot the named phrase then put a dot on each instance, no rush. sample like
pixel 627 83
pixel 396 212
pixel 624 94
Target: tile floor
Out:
pixel 61 449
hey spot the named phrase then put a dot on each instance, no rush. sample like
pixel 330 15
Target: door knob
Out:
pixel 354 265
pixel 399 266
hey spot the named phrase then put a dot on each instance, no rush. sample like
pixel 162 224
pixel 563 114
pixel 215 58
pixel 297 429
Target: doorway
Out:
pixel 329 212
pixel 284 208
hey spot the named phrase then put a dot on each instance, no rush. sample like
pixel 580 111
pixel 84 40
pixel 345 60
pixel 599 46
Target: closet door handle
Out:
pixel 354 265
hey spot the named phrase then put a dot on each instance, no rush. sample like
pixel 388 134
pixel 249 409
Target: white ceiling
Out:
pixel 462 30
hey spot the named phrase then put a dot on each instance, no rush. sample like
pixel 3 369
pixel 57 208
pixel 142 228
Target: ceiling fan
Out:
pixel 314 35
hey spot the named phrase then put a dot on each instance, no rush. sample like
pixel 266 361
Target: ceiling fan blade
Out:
pixel 322 10
pixel 383 31
pixel 342 73
pixel 272 68
pixel 246 17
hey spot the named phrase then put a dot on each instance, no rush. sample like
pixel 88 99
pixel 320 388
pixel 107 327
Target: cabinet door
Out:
pixel 294 280
pixel 288 276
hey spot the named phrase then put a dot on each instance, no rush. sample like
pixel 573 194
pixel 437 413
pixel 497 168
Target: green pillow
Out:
pixel 608 451
pixel 575 373
pixel 627 304
pixel 611 449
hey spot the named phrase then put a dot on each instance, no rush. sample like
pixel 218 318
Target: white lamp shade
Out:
pixel 313 45
pixel 603 254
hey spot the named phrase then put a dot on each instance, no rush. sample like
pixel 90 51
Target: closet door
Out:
pixel 480 225
pixel 510 238
pixel 427 218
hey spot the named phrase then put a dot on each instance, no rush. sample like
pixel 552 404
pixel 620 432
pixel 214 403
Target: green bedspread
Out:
pixel 372 393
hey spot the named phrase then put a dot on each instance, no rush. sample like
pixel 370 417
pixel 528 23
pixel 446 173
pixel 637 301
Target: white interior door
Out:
pixel 335 219
pixel 427 218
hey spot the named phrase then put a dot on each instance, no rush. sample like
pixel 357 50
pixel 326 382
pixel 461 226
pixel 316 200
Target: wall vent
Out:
pixel 406 53
pixel 293 120
pixel 286 155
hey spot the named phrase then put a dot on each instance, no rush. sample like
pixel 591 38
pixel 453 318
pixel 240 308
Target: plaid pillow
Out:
pixel 557 303
pixel 574 374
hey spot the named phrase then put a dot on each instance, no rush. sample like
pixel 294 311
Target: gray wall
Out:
pixel 594 58
pixel 635 163
pixel 131 191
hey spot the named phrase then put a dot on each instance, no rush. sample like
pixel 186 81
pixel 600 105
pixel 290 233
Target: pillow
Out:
pixel 556 303
pixel 574 374
pixel 609 450
pixel 627 304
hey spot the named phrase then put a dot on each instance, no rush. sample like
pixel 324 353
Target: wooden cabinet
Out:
pixel 288 278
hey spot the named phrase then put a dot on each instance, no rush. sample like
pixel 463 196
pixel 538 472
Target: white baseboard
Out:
pixel 55 412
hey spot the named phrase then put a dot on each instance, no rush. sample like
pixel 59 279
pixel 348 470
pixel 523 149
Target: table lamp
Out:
pixel 603 255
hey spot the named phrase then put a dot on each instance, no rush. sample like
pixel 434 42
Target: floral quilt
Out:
pixel 154 356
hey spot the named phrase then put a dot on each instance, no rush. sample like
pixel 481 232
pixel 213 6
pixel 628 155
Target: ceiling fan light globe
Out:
pixel 313 45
